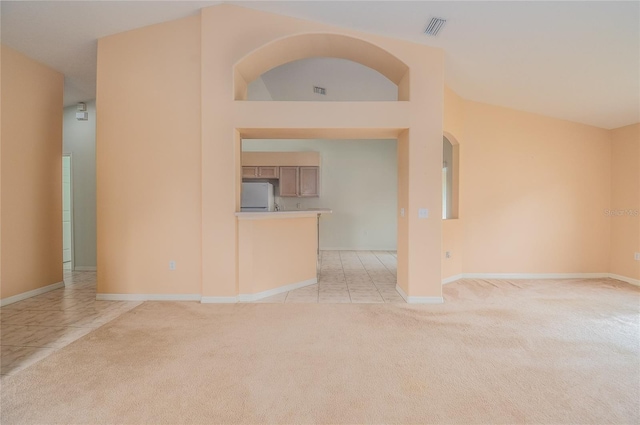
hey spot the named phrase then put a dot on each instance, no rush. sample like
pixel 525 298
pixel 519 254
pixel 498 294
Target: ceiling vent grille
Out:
pixel 435 26
pixel 320 90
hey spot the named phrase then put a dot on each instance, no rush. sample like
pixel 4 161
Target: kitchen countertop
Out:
pixel 311 212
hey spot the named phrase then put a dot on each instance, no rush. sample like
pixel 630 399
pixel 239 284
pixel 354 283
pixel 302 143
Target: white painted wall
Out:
pixel 358 181
pixel 343 79
pixel 79 139
pixel 66 210
pixel 257 90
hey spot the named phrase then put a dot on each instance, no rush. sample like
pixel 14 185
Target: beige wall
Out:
pixel 625 201
pixel 227 41
pixel 276 252
pixel 148 160
pixel 533 191
pixel 31 169
pixel 166 111
pixel 452 229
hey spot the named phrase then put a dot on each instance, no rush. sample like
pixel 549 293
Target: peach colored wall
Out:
pixel 452 229
pixel 163 65
pixel 452 242
pixel 276 252
pixel 533 191
pixel 625 201
pixel 148 160
pixel 231 33
pixel 31 169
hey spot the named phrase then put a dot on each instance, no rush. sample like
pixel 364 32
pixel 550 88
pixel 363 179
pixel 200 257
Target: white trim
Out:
pixel 148 297
pixel 540 276
pixel 71 207
pixel 635 282
pixel 32 293
pixel 419 300
pixel 219 300
pixel 525 276
pixel 535 275
pixel 452 278
pixel 275 291
pixel 85 269
pixel 358 249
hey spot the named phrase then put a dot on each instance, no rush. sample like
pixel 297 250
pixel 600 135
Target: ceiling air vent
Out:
pixel 435 26
pixel 320 90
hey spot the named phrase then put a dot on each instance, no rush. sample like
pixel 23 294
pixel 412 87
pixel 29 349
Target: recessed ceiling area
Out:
pixel 578 61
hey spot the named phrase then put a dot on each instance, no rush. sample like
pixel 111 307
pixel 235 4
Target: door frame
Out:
pixel 71 221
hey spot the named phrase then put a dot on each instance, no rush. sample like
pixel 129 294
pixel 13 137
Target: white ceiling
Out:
pixel 575 60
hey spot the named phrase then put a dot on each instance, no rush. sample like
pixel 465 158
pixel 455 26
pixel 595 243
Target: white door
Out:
pixel 66 211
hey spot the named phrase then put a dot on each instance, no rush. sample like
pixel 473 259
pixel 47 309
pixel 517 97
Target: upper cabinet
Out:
pixel 298 173
pixel 309 185
pixel 300 182
pixel 289 181
pixel 259 172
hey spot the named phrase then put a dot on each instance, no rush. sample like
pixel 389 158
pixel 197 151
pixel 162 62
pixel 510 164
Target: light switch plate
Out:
pixel 423 213
pixel 637 256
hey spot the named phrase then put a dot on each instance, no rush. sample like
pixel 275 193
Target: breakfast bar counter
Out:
pixel 277 251
pixel 312 212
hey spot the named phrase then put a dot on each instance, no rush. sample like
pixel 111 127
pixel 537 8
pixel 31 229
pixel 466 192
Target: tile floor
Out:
pixel 349 277
pixel 34 328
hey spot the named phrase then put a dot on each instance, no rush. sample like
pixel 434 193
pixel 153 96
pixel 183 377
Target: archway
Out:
pixel 304 46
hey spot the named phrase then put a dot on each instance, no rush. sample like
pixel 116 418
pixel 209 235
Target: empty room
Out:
pixel 319 212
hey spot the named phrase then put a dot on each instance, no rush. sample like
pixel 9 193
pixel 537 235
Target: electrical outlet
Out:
pixel 172 265
pixel 447 254
pixel 423 213
pixel 401 212
pixel 637 256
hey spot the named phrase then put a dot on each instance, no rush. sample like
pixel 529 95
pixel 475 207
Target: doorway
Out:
pixel 67 213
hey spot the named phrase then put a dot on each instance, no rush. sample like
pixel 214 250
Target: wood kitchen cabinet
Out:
pixel 289 180
pixel 259 172
pixel 300 182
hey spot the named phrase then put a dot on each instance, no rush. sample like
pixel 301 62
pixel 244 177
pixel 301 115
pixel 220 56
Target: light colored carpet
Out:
pixel 548 352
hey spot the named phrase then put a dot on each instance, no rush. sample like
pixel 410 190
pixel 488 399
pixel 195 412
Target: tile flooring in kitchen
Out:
pixel 349 277
pixel 36 327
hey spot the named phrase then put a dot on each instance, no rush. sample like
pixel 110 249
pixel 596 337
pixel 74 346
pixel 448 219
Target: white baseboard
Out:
pixel 419 300
pixel 275 291
pixel 452 278
pixel 635 282
pixel 219 300
pixel 516 276
pixel 358 249
pixel 84 268
pixel 29 294
pixel 148 297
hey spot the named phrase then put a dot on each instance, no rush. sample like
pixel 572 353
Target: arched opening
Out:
pixel 304 46
pixel 450 177
pixel 322 79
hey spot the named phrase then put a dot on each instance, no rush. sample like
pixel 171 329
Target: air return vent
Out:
pixel 320 90
pixel 435 26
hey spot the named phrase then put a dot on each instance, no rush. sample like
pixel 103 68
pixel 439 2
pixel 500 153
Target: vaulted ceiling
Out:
pixel 574 60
